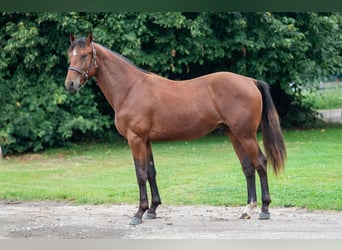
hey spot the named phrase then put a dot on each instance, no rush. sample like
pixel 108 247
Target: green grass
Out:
pixel 327 98
pixel 205 171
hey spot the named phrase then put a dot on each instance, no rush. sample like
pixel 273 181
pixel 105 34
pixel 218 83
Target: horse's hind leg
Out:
pixel 249 172
pixel 151 173
pixel 251 158
pixel 260 164
pixel 265 194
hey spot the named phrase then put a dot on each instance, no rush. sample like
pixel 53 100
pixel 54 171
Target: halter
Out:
pixel 85 74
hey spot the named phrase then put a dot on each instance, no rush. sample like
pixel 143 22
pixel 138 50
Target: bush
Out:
pixel 37 112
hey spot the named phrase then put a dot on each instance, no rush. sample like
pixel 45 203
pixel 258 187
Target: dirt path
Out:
pixel 64 221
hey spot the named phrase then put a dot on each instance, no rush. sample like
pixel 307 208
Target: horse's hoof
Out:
pixel 150 216
pixel 245 216
pixel 264 216
pixel 135 221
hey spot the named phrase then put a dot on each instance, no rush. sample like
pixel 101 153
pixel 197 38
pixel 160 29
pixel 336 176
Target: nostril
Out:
pixel 69 84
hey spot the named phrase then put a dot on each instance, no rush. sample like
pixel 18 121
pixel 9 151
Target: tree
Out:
pixel 288 50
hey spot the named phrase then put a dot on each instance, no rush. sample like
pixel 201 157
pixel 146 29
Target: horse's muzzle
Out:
pixel 71 86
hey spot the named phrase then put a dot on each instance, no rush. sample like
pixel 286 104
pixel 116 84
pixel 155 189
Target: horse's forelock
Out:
pixel 80 42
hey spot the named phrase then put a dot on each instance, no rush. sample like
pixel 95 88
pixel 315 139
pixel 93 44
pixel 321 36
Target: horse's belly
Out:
pixel 180 130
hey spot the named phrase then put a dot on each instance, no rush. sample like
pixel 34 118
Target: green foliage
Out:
pixel 327 98
pixel 37 112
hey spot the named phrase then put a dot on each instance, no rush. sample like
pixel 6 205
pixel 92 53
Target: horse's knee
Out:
pixel 151 171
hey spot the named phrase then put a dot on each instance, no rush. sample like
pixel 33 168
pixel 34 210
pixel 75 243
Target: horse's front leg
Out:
pixel 138 147
pixel 151 173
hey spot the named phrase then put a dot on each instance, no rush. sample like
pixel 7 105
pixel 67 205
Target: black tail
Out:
pixel 271 131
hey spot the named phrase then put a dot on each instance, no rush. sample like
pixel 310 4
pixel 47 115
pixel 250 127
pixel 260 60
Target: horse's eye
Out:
pixel 83 56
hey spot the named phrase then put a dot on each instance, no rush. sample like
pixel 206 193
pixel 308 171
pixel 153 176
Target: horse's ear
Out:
pixel 72 37
pixel 90 37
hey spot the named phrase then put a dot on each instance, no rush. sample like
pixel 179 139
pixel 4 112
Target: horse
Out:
pixel 151 108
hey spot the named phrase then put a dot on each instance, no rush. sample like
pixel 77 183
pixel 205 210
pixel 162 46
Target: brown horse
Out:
pixel 152 108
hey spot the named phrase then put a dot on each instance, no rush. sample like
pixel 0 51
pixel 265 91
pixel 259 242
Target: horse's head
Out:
pixel 82 57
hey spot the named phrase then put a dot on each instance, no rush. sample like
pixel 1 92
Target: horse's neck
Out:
pixel 115 76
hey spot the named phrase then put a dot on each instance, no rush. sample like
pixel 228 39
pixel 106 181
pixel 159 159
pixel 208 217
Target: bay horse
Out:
pixel 150 108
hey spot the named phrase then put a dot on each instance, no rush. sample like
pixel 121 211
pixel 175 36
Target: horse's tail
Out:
pixel 271 131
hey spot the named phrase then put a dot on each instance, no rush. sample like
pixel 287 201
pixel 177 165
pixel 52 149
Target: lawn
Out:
pixel 204 171
pixel 328 98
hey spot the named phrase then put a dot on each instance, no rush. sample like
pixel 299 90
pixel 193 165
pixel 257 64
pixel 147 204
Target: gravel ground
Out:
pixel 49 220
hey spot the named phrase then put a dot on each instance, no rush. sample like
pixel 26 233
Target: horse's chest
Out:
pixel 120 126
pixel 136 124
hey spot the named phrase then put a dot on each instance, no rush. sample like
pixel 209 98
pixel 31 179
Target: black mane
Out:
pixel 128 61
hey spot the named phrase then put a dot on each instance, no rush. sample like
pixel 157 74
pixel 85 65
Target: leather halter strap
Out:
pixel 85 74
